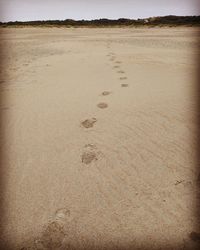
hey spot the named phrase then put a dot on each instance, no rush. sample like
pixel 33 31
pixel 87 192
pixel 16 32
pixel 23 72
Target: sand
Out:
pixel 99 138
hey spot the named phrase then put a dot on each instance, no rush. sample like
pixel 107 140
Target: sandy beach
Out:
pixel 99 138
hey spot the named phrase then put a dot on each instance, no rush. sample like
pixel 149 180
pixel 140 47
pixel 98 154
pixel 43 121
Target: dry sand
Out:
pixel 99 138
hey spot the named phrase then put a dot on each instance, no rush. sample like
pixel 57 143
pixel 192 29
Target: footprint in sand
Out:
pixel 120 72
pixel 106 93
pixel 89 123
pixel 123 78
pixel 194 236
pixel 124 85
pixel 4 108
pixel 116 67
pixel 112 59
pixel 89 155
pixel 118 62
pixel 102 105
pixel 53 235
pixel 111 55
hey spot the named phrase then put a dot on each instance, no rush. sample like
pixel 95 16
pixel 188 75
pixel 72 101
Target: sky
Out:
pixel 26 10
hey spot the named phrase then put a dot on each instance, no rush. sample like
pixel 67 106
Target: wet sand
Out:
pixel 99 138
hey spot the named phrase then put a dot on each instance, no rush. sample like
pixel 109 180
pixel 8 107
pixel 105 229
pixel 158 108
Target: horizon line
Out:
pixel 102 18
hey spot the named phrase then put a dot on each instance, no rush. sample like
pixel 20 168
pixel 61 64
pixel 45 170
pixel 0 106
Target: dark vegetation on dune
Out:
pixel 152 21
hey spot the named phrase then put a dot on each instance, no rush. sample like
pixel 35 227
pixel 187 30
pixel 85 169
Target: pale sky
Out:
pixel 22 10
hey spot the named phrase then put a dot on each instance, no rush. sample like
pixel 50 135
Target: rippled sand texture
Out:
pixel 99 138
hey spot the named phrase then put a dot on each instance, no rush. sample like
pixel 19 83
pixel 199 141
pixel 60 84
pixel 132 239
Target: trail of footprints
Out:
pixel 90 153
pixel 56 231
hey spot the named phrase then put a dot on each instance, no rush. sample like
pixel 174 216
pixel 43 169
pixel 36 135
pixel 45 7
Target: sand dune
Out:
pixel 99 138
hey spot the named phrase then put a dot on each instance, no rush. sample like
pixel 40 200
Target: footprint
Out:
pixel 106 93
pixel 116 67
pixel 5 108
pixel 52 237
pixel 118 62
pixel 55 232
pixel 89 123
pixel 89 155
pixel 102 105
pixel 112 58
pixel 120 72
pixel 194 236
pixel 123 78
pixel 124 85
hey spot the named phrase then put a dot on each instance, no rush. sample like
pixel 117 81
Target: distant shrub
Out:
pixel 155 21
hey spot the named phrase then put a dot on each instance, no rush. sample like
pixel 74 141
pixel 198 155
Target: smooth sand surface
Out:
pixel 99 138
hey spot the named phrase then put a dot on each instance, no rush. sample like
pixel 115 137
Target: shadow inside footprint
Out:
pixel 89 123
pixel 195 236
pixel 102 105
pixel 118 62
pixel 124 85
pixel 116 67
pixel 106 93
pixel 88 157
